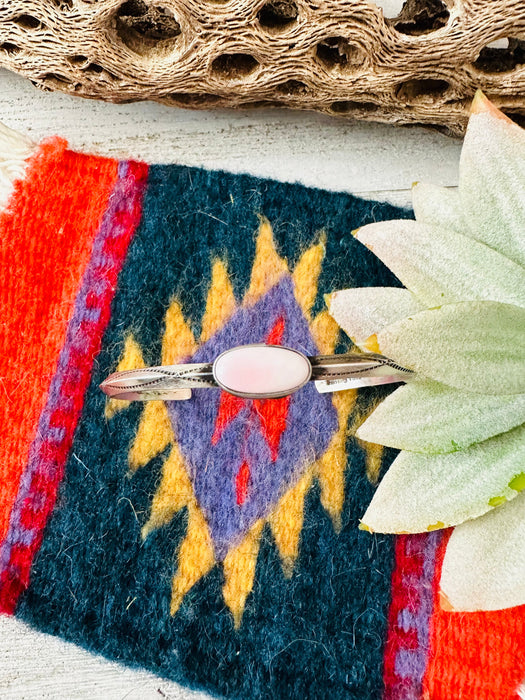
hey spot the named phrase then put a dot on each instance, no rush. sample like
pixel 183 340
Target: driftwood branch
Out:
pixel 342 57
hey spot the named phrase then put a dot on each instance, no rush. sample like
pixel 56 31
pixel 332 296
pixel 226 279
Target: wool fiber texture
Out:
pixel 296 636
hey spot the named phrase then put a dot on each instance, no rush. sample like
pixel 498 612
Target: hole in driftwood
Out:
pixel 28 22
pixel 78 60
pixel 63 4
pixel 345 106
pixel 190 99
pixel 143 27
pixel 338 51
pixel 424 89
pixel 55 76
pixel 519 118
pixel 278 14
pixel 54 79
pixel 261 104
pixel 94 68
pixel 500 59
pixel 421 16
pixel 234 66
pixel 292 87
pixel 9 48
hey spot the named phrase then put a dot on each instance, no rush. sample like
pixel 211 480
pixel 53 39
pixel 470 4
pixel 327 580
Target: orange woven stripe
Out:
pixel 476 656
pixel 46 235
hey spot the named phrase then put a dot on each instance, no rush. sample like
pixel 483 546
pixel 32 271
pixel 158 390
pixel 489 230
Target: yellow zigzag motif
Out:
pixel 175 492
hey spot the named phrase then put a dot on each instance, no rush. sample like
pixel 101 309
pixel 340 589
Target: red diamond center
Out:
pixel 272 414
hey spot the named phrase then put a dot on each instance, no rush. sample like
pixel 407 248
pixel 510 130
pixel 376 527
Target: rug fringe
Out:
pixel 15 148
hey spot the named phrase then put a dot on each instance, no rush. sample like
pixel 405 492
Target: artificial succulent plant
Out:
pixel 459 324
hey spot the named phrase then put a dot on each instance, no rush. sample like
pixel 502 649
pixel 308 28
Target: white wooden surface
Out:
pixel 371 160
pixel 367 159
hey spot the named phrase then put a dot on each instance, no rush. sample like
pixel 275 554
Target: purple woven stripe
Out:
pixel 410 664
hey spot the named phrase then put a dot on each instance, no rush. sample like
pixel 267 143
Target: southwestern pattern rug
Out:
pixel 214 541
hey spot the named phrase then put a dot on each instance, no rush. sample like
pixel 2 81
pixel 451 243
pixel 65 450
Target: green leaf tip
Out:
pixel 496 501
pixel 518 482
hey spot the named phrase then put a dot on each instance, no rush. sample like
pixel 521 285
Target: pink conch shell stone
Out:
pixel 261 371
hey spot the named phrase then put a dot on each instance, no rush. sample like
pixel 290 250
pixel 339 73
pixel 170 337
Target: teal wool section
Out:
pixel 95 581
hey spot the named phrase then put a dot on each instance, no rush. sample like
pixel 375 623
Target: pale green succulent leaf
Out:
pixel 427 492
pixel 438 206
pixel 484 564
pixel 440 266
pixel 477 346
pixel 429 417
pixel 363 311
pixel 491 181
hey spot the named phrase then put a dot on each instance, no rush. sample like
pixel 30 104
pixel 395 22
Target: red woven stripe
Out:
pixel 46 235
pixel 50 451
pixel 479 656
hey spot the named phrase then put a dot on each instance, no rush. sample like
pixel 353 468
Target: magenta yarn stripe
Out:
pixel 49 452
pixel 411 663
pixel 410 659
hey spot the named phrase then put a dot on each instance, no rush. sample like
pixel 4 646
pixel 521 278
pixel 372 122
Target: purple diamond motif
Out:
pixel 216 460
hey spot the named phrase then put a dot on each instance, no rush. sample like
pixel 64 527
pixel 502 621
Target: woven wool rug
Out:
pixel 213 541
